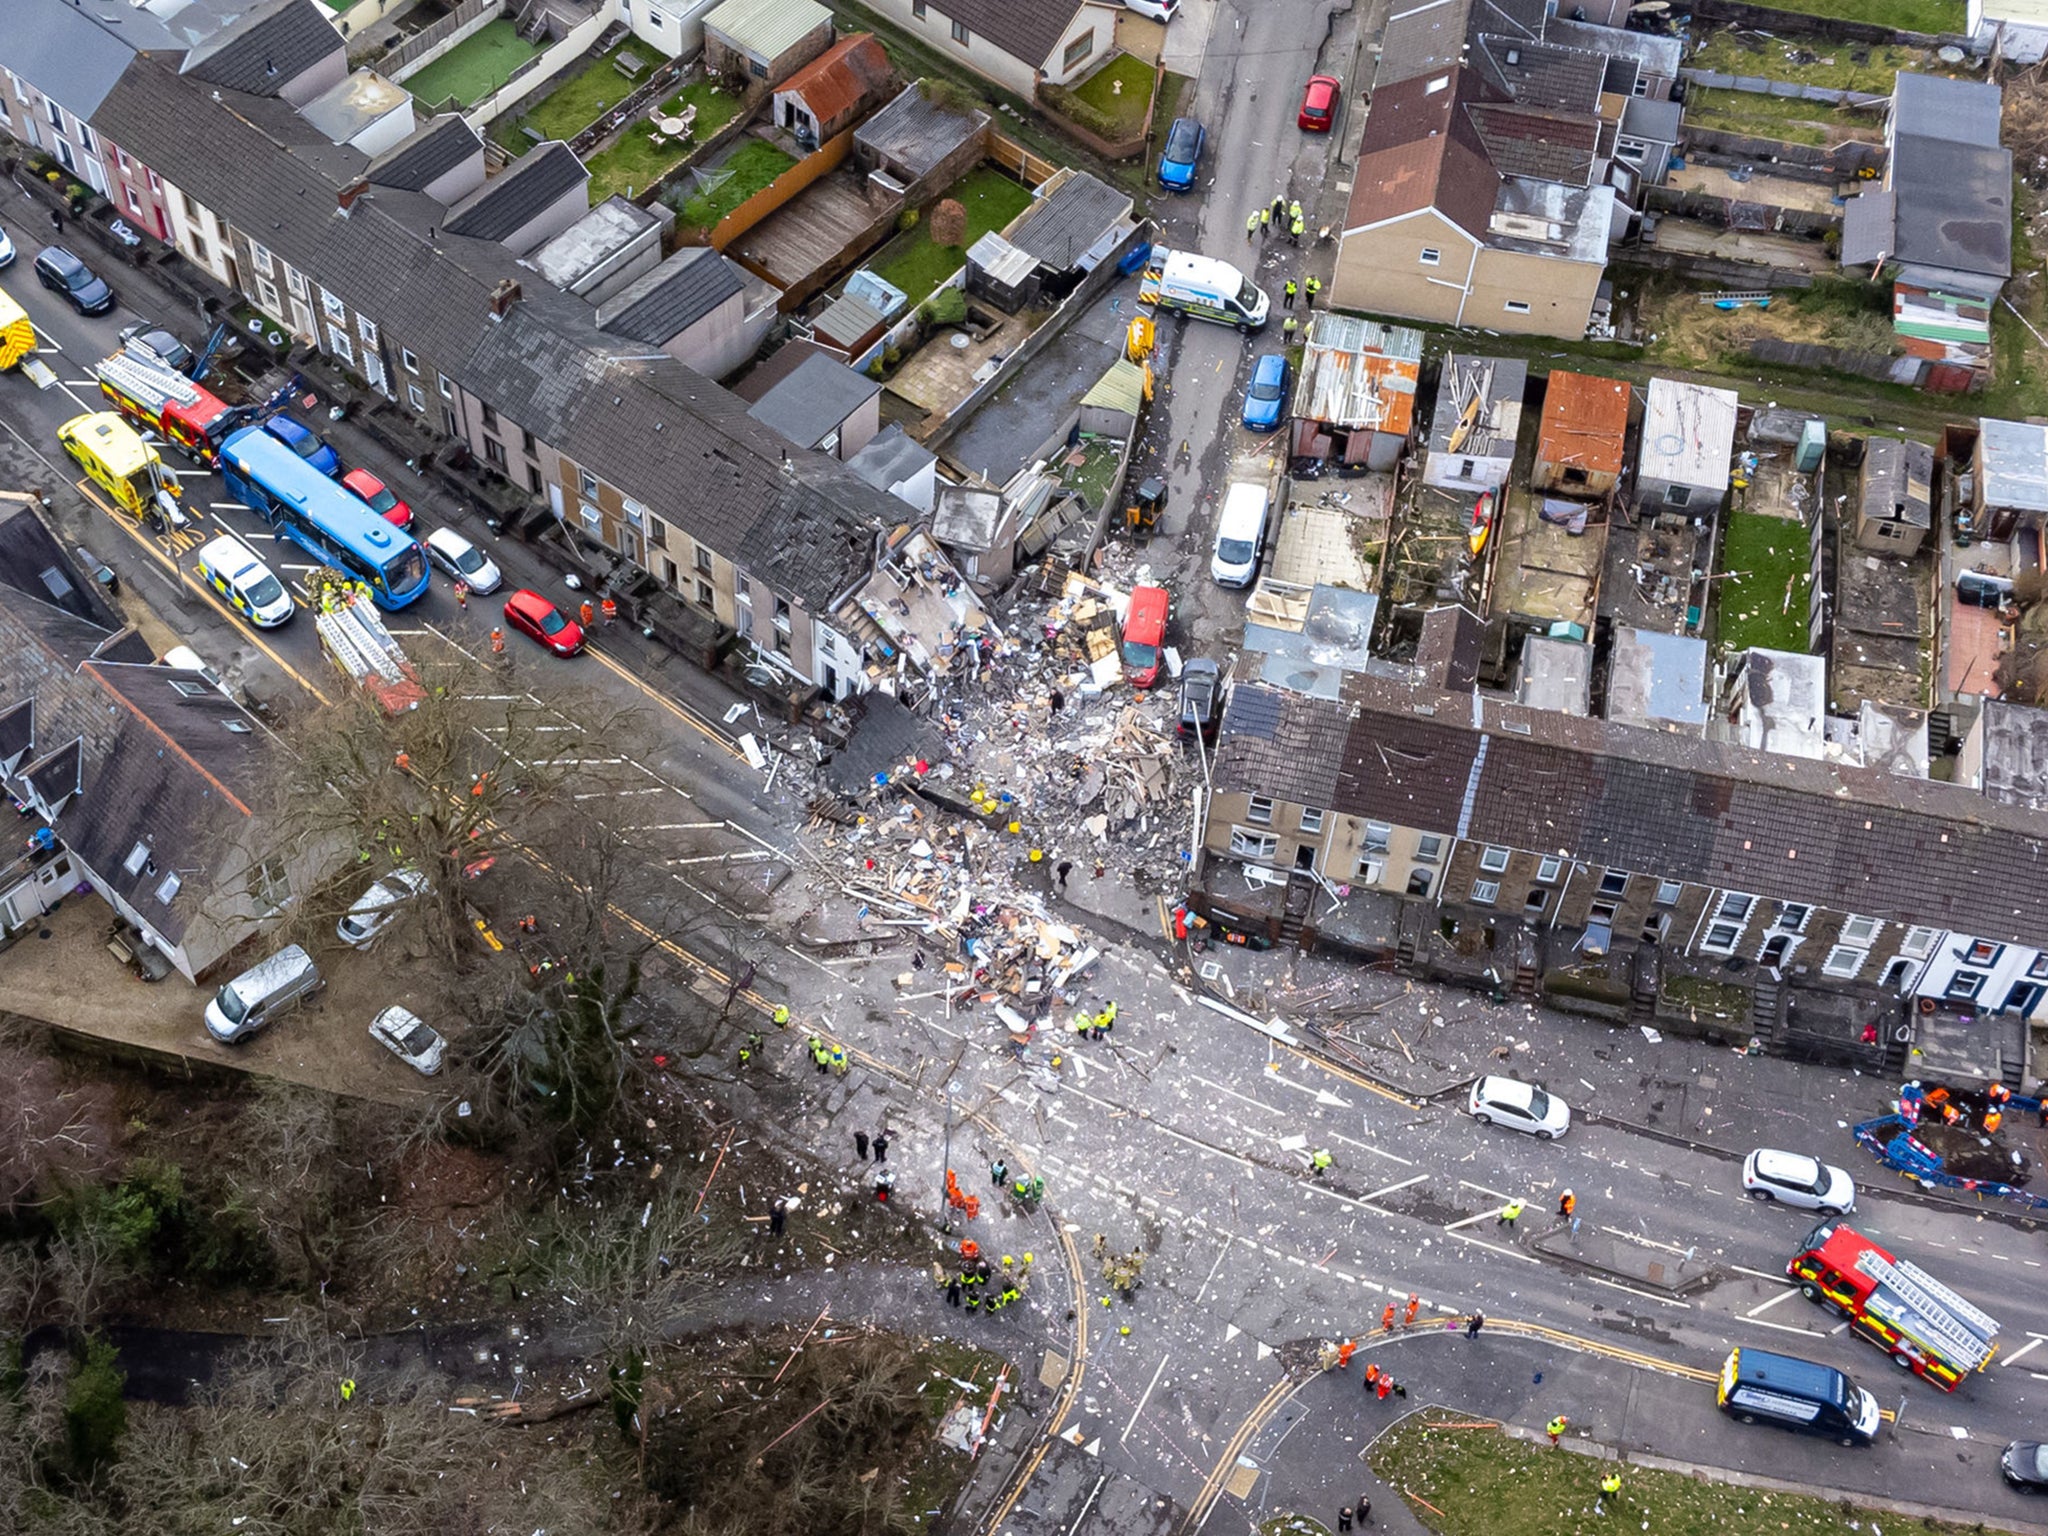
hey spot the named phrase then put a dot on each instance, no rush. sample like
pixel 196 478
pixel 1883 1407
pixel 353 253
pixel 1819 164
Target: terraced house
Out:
pixel 404 269
pixel 1819 907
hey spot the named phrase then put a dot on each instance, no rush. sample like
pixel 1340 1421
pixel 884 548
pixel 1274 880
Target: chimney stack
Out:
pixel 351 192
pixel 503 297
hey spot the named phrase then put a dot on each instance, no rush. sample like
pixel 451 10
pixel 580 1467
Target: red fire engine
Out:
pixel 1922 1324
pixel 156 396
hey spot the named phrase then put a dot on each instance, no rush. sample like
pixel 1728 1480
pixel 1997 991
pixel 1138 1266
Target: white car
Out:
pixel 1792 1178
pixel 1519 1106
pixel 6 250
pixel 413 1042
pixel 463 560
pixel 1157 10
pixel 244 582
pixel 375 909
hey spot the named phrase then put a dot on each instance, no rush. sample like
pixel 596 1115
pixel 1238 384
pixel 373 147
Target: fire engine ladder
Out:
pixel 361 644
pixel 146 380
pixel 1963 1331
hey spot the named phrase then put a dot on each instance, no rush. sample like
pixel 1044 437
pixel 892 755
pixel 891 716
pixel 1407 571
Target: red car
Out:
pixel 1319 104
pixel 377 495
pixel 533 615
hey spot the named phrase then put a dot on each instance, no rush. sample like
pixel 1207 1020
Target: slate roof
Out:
pixel 817 395
pixel 1421 150
pixel 1422 37
pixel 1541 75
pixel 1059 229
pixel 916 132
pixel 841 77
pixel 660 305
pixel 1850 838
pixel 1544 145
pixel 33 564
pixel 1026 31
pixel 430 152
pixel 517 195
pixel 266 48
pixel 71 54
pixel 663 433
pixel 1280 744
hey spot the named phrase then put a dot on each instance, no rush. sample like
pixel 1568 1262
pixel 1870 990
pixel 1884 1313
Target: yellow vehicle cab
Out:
pixel 17 336
pixel 117 460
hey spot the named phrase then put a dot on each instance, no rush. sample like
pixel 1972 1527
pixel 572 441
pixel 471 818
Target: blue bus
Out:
pixel 320 517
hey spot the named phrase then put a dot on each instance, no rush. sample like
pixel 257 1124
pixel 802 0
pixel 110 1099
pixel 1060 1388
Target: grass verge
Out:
pixel 1478 1482
pixel 474 67
pixel 753 166
pixel 917 264
pixel 1120 91
pixel 1764 601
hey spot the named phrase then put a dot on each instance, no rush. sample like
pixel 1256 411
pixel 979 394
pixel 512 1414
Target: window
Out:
pixel 1614 882
pixel 1721 937
pixel 1493 860
pixel 704 594
pixel 120 154
pixel 1485 892
pixel 260 254
pixel 2039 968
pixel 528 441
pixel 1641 87
pixel 1370 870
pixel 1253 845
pixel 1860 930
pixel 56 114
pixel 1734 907
pixel 494 451
pixel 295 282
pixel 367 329
pixel 448 422
pixel 191 208
pixel 167 889
pixel 1919 943
pixel 416 397
pixel 490 419
pixel 757 69
pixel 1631 150
pixel 1549 868
pixel 1534 903
pixel 655 18
pixel 593 520
pixel 336 310
pixel 586 482
pixel 533 479
pixel 447 386
pixel 657 533
pixel 1677 495
pixel 917 9
pixel 1517 306
pixel 1429 849
pixel 1983 952
pixel 66 153
pixel 21 92
pixel 1844 961
pixel 781 616
pixel 266 295
pixel 270 886
pixel 410 359
pixel 1965 985
pixel 1078 50
pixel 961 34
pixel 1376 835
pixel 373 372
pixel 86 140
pixel 1792 918
pixel 137 860
pixel 1259 811
pixel 134 201
pixel 1420 880
pixel 1668 892
pixel 1311 821
pixel 1431 256
pixel 338 344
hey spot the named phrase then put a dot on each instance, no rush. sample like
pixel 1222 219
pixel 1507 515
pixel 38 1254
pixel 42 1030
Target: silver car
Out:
pixel 463 561
pixel 413 1042
pixel 375 909
pixel 1791 1178
pixel 1519 1106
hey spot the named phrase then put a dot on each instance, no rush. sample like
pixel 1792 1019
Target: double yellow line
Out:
pixel 1256 1420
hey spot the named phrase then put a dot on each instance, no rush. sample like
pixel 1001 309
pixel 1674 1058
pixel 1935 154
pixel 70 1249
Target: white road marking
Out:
pixel 1259 1103
pixel 1782 1327
pixel 1468 1184
pixel 2033 1343
pixel 1460 1237
pixel 1616 1285
pixel 1142 1401
pixel 1767 1305
pixel 1388 1189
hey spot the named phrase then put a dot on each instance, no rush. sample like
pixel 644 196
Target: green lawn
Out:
pixel 1125 108
pixel 1769 553
pixel 1781 117
pixel 715 107
pixel 1840 66
pixel 1906 15
pixel 914 263
pixel 754 165
pixel 1478 1482
pixel 635 162
pixel 579 98
pixel 474 67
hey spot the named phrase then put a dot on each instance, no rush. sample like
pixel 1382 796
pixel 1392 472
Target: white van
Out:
pixel 261 993
pixel 1240 534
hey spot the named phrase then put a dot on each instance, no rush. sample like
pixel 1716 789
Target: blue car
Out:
pixel 1184 141
pixel 305 442
pixel 1266 397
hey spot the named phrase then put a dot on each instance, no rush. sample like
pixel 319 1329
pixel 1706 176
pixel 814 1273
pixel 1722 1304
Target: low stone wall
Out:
pixel 1844 159
pixel 1739 13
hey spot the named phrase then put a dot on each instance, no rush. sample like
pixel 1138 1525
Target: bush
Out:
pixel 907 219
pixel 145 1214
pixel 95 1415
pixel 949 223
pixel 948 306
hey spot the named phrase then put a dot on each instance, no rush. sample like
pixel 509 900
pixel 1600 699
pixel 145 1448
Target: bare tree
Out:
pixel 50 1135
pixel 281 1166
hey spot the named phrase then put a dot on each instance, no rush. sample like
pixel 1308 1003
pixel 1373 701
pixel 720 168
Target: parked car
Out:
pixel 406 1036
pixel 378 496
pixel 1319 104
pixel 1794 1179
pixel 534 616
pixel 1201 698
pixel 1181 154
pixel 305 442
pixel 1157 10
pixel 261 993
pixel 156 342
pixel 2025 1465
pixel 245 583
pixel 463 560
pixel 1983 589
pixel 1519 1106
pixel 376 908
pixel 1265 398
pixel 83 289
pixel 6 250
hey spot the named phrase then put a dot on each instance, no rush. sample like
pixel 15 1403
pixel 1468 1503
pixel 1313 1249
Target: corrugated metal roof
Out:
pixel 2014 460
pixel 917 132
pixel 1062 226
pixel 1359 373
pixel 1120 389
pixel 1585 422
pixel 769 28
pixel 1688 433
